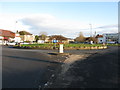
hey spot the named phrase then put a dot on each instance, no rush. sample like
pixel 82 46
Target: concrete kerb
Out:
pixel 65 48
pixel 56 53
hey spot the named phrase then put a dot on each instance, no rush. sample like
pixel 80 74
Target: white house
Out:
pixel 111 38
pixel 40 41
pixel 1 40
pixel 17 37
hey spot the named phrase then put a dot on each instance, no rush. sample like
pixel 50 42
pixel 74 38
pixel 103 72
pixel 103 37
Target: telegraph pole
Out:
pixel 16 25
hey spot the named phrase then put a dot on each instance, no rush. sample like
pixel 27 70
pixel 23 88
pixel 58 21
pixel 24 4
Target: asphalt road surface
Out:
pixel 99 70
pixel 27 68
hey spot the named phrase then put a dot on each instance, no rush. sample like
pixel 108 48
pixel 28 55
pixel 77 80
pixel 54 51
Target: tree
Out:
pixel 80 38
pixel 43 35
pixel 36 38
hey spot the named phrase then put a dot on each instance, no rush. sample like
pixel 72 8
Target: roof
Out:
pixel 99 36
pixel 24 33
pixel 70 38
pixel 58 37
pixel 7 33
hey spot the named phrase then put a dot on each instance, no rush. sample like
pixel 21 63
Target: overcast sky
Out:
pixel 63 18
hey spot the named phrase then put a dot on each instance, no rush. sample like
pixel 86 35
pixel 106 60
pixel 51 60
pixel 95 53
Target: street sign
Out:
pixel 55 41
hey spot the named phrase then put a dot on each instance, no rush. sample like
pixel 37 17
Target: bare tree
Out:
pixel 80 38
pixel 43 35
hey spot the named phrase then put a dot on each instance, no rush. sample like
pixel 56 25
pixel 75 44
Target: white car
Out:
pixel 112 42
pixel 11 43
pixel 24 43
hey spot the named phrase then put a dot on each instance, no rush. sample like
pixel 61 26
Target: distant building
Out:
pixel 111 38
pixel 91 40
pixel 6 36
pixel 17 38
pixel 47 39
pixel 70 40
pixel 40 41
pixel 26 36
pixel 100 38
pixel 44 39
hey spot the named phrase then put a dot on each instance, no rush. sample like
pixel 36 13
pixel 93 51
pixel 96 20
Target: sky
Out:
pixel 61 18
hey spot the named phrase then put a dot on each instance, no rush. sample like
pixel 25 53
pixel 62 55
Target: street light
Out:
pixel 90 30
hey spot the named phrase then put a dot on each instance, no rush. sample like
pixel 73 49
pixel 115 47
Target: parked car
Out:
pixel 111 42
pixel 11 43
pixel 24 43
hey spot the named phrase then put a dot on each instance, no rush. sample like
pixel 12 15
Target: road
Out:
pixel 27 68
pixel 99 70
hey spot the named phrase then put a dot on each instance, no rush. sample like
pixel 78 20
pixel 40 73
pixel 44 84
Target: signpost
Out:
pixel 55 41
pixel 91 42
pixel 61 48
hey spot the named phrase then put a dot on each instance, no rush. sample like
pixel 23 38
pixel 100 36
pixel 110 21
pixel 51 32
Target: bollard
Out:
pixel 61 48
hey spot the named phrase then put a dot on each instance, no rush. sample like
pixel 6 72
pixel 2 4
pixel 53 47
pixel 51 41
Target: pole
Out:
pixel 61 48
pixel 90 29
pixel 16 25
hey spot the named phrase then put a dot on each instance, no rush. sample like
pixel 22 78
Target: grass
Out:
pixel 113 44
pixel 65 45
pixel 82 45
pixel 36 45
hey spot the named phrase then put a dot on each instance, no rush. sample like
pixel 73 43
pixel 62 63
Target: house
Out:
pixel 100 38
pixel 58 38
pixel 6 36
pixel 111 38
pixel 70 40
pixel 43 39
pixel 91 40
pixel 17 38
pixel 26 36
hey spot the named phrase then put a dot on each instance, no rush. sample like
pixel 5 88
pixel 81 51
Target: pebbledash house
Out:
pixel 9 36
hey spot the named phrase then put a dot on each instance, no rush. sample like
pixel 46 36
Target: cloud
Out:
pixel 52 25
pixel 36 23
pixel 107 29
pixel 108 26
pixel 8 22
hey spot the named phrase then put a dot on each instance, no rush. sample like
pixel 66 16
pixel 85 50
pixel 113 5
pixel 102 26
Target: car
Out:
pixel 111 42
pixel 11 43
pixel 24 43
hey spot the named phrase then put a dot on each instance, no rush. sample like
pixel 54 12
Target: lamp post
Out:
pixel 90 30
pixel 91 42
pixel 17 36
